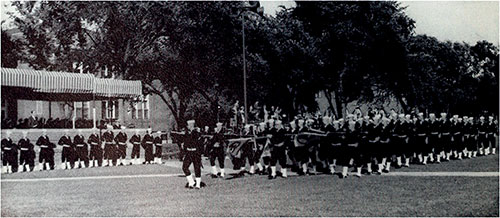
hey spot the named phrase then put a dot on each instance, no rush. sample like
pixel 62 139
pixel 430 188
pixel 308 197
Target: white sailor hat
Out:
pixel 190 122
pixel 310 120
pixel 481 117
pixel 301 121
pixel 270 120
pixel 336 122
pixel 218 124
pixel 247 126
pixel 109 127
pixel 460 119
pixel 407 116
pixel 490 117
pixel 466 117
pixel 401 116
pixel 432 115
pixel 455 116
pixel 262 123
pixel 421 114
pixel 377 117
pixel 443 114
pixel 341 120
pixel 159 132
pixel 366 117
pixel 278 122
pixel 123 127
pixel 350 115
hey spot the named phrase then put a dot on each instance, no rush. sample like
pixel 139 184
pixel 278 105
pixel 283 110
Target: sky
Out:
pixel 459 21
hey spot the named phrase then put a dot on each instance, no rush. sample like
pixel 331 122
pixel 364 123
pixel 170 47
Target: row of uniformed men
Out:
pixel 365 142
pixel 75 153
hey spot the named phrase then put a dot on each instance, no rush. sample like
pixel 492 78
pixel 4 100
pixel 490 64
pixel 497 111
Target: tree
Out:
pixel 360 44
pixel 178 49
pixel 10 51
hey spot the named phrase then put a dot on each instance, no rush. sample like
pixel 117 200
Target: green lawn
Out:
pixel 321 195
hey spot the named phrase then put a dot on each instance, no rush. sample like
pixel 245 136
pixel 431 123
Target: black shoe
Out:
pixel 377 173
pixel 271 177
pixel 300 173
pixel 342 176
pixel 385 171
pixel 189 187
pixel 214 176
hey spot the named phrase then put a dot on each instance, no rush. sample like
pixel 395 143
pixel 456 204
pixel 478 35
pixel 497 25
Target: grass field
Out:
pixel 158 190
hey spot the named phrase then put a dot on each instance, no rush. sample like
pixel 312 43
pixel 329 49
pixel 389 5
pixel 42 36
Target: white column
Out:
pixel 74 114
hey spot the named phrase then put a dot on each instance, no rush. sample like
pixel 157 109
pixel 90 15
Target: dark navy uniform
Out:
pixel 433 133
pixel 482 137
pixel 445 141
pixel 67 150
pixel 27 156
pixel 278 152
pixel 9 157
pixel 456 129
pixel 136 146
pixel 95 148
pixel 420 142
pixel 158 142
pixel 193 151
pixel 109 146
pixel 46 151
pixel 491 131
pixel 215 149
pixel 121 143
pixel 81 149
pixel 147 144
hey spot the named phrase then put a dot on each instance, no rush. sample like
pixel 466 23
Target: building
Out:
pixel 77 100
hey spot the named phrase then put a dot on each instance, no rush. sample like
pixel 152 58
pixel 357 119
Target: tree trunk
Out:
pixel 330 99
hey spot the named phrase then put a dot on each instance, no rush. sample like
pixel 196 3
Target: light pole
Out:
pixel 244 67
pixel 254 6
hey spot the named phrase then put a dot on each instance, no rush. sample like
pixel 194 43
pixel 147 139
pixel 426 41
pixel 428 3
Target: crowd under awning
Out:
pixel 52 85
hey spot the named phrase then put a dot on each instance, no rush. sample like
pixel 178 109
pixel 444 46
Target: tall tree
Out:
pixel 359 44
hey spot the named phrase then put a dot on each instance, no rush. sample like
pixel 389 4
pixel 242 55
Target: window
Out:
pixel 110 110
pixel 140 108
pixel 82 109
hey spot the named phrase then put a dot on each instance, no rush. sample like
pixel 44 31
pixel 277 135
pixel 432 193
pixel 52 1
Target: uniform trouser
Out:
pixel 109 151
pixel 158 151
pixel 81 153
pixel 491 141
pixel 409 147
pixel 382 150
pixel 136 151
pixel 458 143
pixel 47 155
pixel 363 155
pixel 399 146
pixel 278 154
pixel 67 154
pixel 324 151
pixel 348 153
pixel 433 144
pixel 301 154
pixel 27 157
pixel 194 158
pixel 96 153
pixel 122 151
pixel 148 152
pixel 217 154
pixel 258 154
pixel 9 157
pixel 313 149
pixel 332 154
pixel 248 154
pixel 420 146
pixel 446 143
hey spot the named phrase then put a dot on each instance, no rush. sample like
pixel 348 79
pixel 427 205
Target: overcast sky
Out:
pixel 462 21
